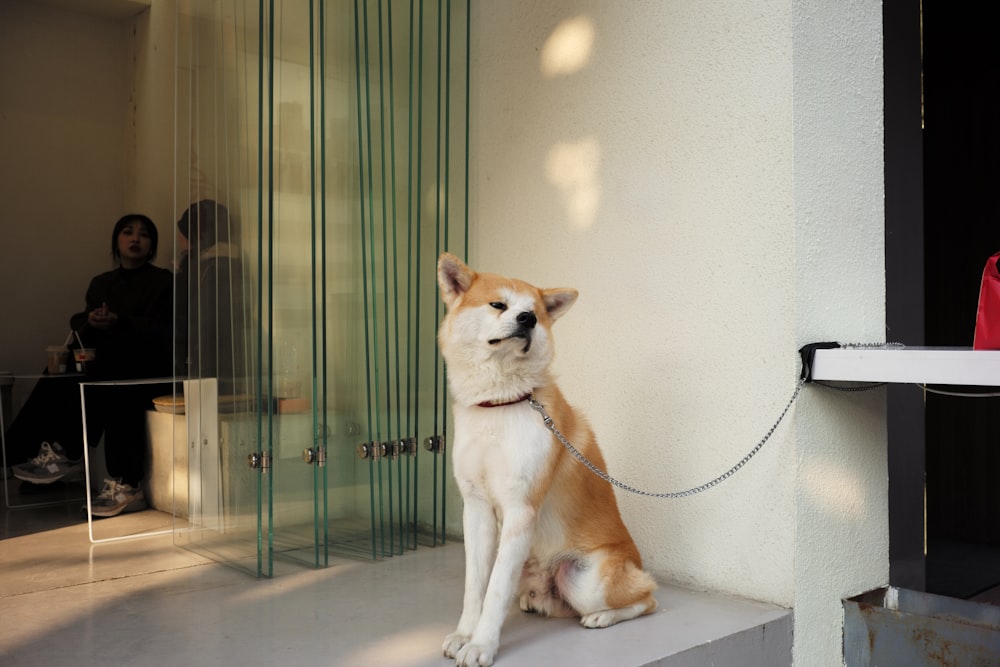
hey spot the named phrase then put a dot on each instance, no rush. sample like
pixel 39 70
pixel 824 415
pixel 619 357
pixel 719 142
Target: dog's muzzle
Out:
pixel 526 322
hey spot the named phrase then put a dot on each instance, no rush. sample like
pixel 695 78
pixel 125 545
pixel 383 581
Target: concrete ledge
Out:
pixel 689 628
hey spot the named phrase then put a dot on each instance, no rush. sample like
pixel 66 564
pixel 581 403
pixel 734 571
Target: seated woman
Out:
pixel 211 312
pixel 128 321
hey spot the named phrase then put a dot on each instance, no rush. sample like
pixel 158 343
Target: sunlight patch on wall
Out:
pixel 573 168
pixel 835 489
pixel 568 48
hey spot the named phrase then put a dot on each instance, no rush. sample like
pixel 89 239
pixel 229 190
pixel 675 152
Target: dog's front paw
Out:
pixel 453 643
pixel 476 655
pixel 600 619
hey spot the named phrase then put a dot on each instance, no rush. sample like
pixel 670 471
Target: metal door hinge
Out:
pixel 259 460
pixel 408 447
pixel 317 456
pixel 392 449
pixel 403 447
pixel 434 443
pixel 372 450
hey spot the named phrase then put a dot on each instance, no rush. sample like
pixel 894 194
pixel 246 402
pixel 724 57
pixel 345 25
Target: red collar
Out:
pixel 493 404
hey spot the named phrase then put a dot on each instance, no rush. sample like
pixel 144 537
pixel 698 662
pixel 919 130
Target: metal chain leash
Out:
pixel 538 407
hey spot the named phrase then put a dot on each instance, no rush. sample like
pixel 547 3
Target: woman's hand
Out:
pixel 102 318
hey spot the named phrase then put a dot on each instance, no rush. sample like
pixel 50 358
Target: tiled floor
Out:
pixel 64 601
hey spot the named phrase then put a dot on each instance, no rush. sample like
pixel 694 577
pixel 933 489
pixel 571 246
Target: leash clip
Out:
pixel 540 409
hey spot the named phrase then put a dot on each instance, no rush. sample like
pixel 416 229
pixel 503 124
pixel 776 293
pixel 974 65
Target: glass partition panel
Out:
pixel 411 73
pixel 294 261
pixel 330 140
pixel 218 288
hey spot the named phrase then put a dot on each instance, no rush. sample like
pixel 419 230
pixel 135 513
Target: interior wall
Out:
pixel 72 86
pixel 709 177
pixel 152 103
pixel 62 169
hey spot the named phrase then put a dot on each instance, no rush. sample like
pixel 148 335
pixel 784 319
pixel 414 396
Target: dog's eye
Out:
pixel 499 305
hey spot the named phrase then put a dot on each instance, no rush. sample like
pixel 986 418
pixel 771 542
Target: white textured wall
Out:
pixel 709 176
pixel 842 532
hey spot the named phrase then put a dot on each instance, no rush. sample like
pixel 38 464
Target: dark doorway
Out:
pixel 904 286
pixel 961 166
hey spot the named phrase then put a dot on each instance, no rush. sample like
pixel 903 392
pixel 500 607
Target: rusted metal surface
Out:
pixel 891 627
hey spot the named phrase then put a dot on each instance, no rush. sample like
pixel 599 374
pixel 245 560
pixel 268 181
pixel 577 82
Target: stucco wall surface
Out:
pixel 709 177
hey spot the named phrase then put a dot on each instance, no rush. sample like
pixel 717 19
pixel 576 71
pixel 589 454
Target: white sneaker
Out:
pixel 50 465
pixel 116 498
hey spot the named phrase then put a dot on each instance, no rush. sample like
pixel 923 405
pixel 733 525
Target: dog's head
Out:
pixel 497 334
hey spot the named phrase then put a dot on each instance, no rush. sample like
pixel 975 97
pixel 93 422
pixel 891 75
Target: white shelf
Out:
pixel 922 365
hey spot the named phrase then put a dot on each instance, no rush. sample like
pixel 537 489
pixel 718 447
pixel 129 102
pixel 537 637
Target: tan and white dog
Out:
pixel 537 523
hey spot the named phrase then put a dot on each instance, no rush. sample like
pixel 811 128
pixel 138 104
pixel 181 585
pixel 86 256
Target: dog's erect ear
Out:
pixel 558 301
pixel 454 277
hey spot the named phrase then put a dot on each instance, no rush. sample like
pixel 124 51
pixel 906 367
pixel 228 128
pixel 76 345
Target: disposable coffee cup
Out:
pixel 83 356
pixel 58 359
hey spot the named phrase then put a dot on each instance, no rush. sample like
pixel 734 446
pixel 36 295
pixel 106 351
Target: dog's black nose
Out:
pixel 527 319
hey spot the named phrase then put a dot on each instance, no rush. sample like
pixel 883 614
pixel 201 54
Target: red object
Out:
pixel 988 316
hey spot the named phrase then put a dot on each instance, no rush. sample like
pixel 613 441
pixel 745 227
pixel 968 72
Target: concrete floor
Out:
pixel 147 601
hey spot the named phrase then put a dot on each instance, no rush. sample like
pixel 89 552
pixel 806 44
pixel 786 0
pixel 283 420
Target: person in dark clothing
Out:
pixel 211 315
pixel 127 320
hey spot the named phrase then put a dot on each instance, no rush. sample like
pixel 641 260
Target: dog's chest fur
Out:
pixel 500 453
